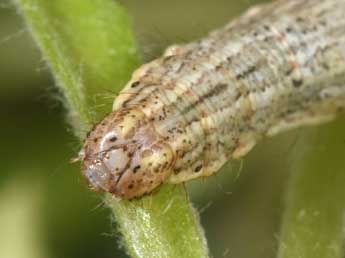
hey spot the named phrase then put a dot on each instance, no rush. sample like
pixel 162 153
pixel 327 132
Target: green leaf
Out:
pixel 90 48
pixel 313 223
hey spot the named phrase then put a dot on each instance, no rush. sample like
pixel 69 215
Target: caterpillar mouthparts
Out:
pixel 125 156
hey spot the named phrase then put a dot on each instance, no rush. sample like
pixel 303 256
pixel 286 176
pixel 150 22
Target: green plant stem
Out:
pixel 167 220
pixel 90 49
pixel 313 222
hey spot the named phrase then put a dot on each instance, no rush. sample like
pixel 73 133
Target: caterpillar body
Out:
pixel 182 116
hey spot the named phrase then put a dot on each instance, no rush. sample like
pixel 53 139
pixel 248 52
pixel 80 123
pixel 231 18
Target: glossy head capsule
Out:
pixel 125 156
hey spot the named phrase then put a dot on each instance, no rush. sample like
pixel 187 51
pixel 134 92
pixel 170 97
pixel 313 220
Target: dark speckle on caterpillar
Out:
pixel 182 116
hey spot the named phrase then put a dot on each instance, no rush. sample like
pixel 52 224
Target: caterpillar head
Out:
pixel 125 156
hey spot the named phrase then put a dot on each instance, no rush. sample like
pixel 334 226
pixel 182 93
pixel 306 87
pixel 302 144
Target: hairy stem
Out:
pixel 90 49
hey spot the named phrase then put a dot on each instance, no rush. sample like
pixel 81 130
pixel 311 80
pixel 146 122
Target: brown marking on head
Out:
pixel 126 156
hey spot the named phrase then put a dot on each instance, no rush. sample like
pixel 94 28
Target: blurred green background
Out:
pixel 46 209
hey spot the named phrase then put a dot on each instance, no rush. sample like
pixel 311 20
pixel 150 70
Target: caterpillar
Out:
pixel 183 115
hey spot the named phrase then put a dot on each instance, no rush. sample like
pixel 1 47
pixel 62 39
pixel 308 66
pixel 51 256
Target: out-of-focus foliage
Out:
pixel 313 221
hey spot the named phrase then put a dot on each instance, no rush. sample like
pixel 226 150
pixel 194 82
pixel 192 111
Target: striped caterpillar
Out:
pixel 182 116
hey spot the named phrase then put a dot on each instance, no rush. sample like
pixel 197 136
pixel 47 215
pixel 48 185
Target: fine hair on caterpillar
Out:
pixel 182 116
